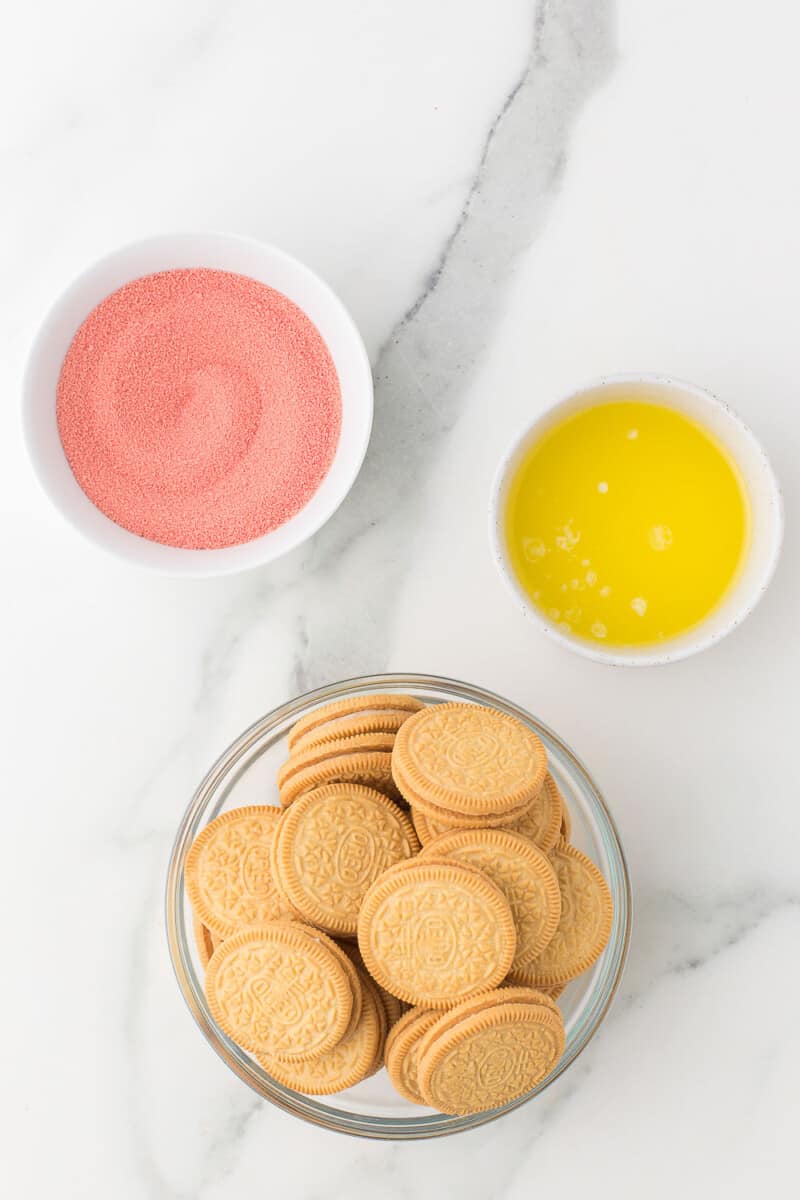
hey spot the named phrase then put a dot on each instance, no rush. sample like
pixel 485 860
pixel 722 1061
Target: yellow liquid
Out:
pixel 627 523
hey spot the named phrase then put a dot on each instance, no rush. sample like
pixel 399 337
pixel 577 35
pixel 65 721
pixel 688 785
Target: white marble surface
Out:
pixel 511 197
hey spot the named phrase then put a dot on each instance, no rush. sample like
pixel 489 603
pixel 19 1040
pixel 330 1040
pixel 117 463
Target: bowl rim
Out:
pixel 177 560
pixel 308 1108
pixel 672 650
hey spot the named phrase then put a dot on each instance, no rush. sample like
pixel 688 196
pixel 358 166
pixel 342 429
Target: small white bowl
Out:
pixel 762 487
pixel 224 252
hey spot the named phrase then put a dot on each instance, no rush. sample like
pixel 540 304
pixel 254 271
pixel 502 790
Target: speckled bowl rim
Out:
pixel 675 649
pixel 206 802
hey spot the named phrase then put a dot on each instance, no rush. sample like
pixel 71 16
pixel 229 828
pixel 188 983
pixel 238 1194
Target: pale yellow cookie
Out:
pixel 393 1007
pixel 349 967
pixel 426 830
pixel 402 1045
pixel 274 867
pixel 378 995
pixel 443 821
pixel 369 769
pixel 354 976
pixel 433 934
pixel 467 1008
pixel 276 990
pixel 465 758
pixel 374 702
pixel 333 843
pixel 363 743
pixel 490 1058
pixel 524 875
pixel 227 875
pixel 386 721
pixel 430 860
pixel 350 1061
pixel 542 821
pixel 429 828
pixel 524 977
pixel 587 913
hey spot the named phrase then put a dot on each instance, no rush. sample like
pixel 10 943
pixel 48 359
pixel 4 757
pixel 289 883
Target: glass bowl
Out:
pixel 245 774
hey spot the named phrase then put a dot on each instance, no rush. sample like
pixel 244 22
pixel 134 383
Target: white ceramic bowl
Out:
pixel 757 474
pixel 224 252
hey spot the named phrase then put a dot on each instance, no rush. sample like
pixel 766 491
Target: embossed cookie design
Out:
pixel 228 877
pixel 465 758
pixel 354 976
pixel 490 1058
pixel 332 844
pixel 523 874
pixel 278 991
pixel 584 928
pixel 350 1061
pixel 432 934
pixel 506 994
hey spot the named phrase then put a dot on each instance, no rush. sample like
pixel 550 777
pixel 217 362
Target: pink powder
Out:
pixel 198 408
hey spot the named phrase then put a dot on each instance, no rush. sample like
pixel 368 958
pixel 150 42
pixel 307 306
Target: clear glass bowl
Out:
pixel 245 774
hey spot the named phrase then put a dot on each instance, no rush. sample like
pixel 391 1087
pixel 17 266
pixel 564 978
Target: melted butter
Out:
pixel 627 523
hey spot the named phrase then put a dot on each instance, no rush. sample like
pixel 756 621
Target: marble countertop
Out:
pixel 511 198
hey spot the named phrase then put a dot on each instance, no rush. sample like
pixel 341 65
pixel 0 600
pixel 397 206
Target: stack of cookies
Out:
pixel 346 741
pixel 319 922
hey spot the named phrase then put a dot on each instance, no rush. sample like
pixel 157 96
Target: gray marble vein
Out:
pixel 676 935
pixel 422 372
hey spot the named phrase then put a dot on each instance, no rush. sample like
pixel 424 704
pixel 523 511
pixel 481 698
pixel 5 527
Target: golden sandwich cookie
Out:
pixel 523 874
pixel 385 720
pixel 374 702
pixel 541 820
pixel 475 1004
pixel 228 876
pixel 362 743
pixel 587 913
pixel 276 990
pixel 434 933
pixel 346 1064
pixel 402 1047
pixel 369 768
pixel 468 759
pixel 490 1058
pixel 333 842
